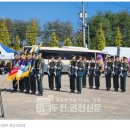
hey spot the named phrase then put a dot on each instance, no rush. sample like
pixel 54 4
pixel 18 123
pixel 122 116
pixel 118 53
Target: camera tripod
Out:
pixel 1 106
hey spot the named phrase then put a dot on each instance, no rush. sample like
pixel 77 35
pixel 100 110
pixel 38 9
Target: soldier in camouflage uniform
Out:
pixel 85 65
pixel 80 72
pixel 123 74
pixel 107 71
pixel 91 72
pixel 97 73
pixel 32 74
pixel 51 72
pixel 72 75
pixel 27 79
pixel 58 67
pixel 22 81
pixel 115 73
pixel 40 73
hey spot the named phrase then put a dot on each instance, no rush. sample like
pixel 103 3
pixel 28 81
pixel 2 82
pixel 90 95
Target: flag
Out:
pixel 23 71
pixel 12 74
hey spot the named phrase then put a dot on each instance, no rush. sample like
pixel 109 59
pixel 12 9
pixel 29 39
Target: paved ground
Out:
pixel 91 104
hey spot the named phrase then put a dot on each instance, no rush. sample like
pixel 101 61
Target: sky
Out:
pixel 63 11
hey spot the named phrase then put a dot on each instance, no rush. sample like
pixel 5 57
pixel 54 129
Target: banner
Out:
pixel 23 71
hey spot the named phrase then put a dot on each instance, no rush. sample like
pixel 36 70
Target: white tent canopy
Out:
pixel 6 53
pixel 124 51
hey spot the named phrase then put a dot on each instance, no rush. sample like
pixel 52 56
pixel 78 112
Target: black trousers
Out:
pixel 58 82
pixel 15 85
pixel 39 83
pixel 123 83
pixel 33 83
pixel 84 81
pixel 91 80
pixel 51 81
pixel 22 84
pixel 116 81
pixel 97 81
pixel 108 81
pixel 72 82
pixel 79 84
pixel 27 84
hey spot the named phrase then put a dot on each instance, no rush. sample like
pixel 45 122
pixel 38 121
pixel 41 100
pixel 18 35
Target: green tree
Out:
pixel 17 43
pixel 62 30
pixel 118 37
pixel 4 34
pixel 100 38
pixel 68 42
pixel 110 21
pixel 79 39
pixel 32 32
pixel 10 28
pixel 54 41
pixel 20 29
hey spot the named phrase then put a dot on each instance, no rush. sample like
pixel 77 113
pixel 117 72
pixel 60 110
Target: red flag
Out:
pixel 12 74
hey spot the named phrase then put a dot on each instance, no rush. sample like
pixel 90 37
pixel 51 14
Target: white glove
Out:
pixel 76 67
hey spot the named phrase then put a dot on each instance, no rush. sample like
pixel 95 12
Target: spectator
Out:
pixel 8 67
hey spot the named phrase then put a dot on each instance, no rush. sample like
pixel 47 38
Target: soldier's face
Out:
pixel 59 58
pixel 52 59
pixel 84 59
pixel 28 56
pixel 80 59
pixel 16 56
pixel 73 58
pixel 40 56
pixel 34 56
pixel 112 59
pixel 22 56
pixel 125 60
pixel 117 59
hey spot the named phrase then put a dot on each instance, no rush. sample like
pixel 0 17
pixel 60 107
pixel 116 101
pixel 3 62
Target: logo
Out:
pixel 43 105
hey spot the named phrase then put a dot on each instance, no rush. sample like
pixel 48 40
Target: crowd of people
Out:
pixel 28 84
pixel 111 67
pixel 79 68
